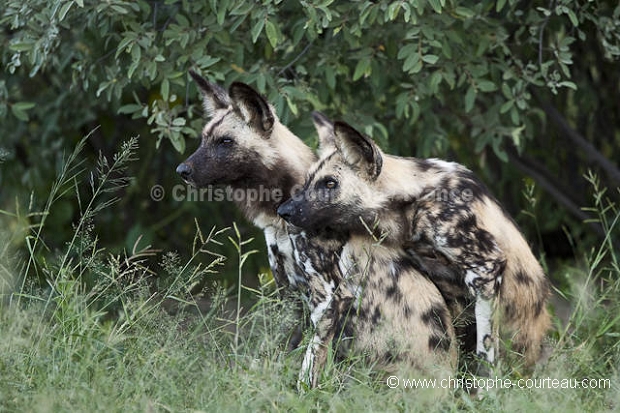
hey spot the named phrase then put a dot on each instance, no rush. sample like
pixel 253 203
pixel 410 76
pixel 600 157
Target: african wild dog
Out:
pixel 369 299
pixel 422 205
pixel 244 146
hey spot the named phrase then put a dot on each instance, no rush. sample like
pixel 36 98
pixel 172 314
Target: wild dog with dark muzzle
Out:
pixel 417 205
pixel 245 147
pixel 370 300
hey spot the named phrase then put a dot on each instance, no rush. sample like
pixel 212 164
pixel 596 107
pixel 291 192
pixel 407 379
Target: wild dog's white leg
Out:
pixel 484 315
pixel 322 317
pixel 306 374
pixel 316 353
pixel 484 329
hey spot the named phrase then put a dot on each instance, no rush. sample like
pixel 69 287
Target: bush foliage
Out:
pixel 497 85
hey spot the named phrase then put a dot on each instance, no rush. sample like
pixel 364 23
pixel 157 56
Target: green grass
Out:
pixel 117 333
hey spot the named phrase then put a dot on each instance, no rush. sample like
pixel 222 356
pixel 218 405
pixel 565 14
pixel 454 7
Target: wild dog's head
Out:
pixel 244 144
pixel 338 194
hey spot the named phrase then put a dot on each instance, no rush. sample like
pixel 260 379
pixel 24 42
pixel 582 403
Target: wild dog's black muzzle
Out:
pixel 286 210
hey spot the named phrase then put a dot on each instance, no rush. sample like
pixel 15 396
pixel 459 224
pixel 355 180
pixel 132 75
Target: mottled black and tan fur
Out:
pixel 371 301
pixel 433 205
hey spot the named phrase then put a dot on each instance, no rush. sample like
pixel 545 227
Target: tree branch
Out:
pixel 292 62
pixel 529 167
pixel 592 154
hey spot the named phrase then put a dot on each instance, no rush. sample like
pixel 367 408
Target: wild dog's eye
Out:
pixel 330 183
pixel 225 140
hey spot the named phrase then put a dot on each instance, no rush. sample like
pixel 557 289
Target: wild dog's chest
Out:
pixel 317 259
pixel 282 258
pixel 371 271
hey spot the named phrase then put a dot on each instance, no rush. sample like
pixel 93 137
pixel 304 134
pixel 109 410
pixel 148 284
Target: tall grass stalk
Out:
pixel 239 243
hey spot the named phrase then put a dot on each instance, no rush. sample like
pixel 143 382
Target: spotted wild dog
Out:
pixel 422 205
pixel 369 300
pixel 245 147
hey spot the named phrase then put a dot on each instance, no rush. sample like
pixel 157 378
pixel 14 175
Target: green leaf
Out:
pixel 436 5
pixel 178 142
pixel 411 61
pixel 506 106
pixel 178 122
pixel 407 50
pixel 435 80
pixel 430 58
pixel 20 46
pixel 221 14
pixel 499 151
pixel 19 114
pixel 499 5
pixel 516 135
pixel 486 86
pixel 125 44
pixel 514 115
pixel 119 9
pixel 470 98
pixel 573 17
pixel 257 29
pixel 506 90
pixel 132 68
pixel 393 10
pixel 272 33
pixel 568 84
pixel 24 105
pixel 464 12
pixel 136 53
pixel 206 61
pixel 130 108
pixel 292 106
pixel 360 69
pixel 64 10
pixel 165 89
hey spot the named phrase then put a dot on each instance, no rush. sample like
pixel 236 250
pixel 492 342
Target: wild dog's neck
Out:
pixel 274 184
pixel 408 178
pixel 401 183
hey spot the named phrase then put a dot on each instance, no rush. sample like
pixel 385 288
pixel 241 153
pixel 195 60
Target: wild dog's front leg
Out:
pixel 324 308
pixel 314 361
pixel 335 324
pixel 316 353
pixel 308 373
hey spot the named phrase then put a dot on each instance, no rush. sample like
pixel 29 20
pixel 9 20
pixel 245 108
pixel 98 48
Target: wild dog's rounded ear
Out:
pixel 358 150
pixel 325 129
pixel 213 96
pixel 252 107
